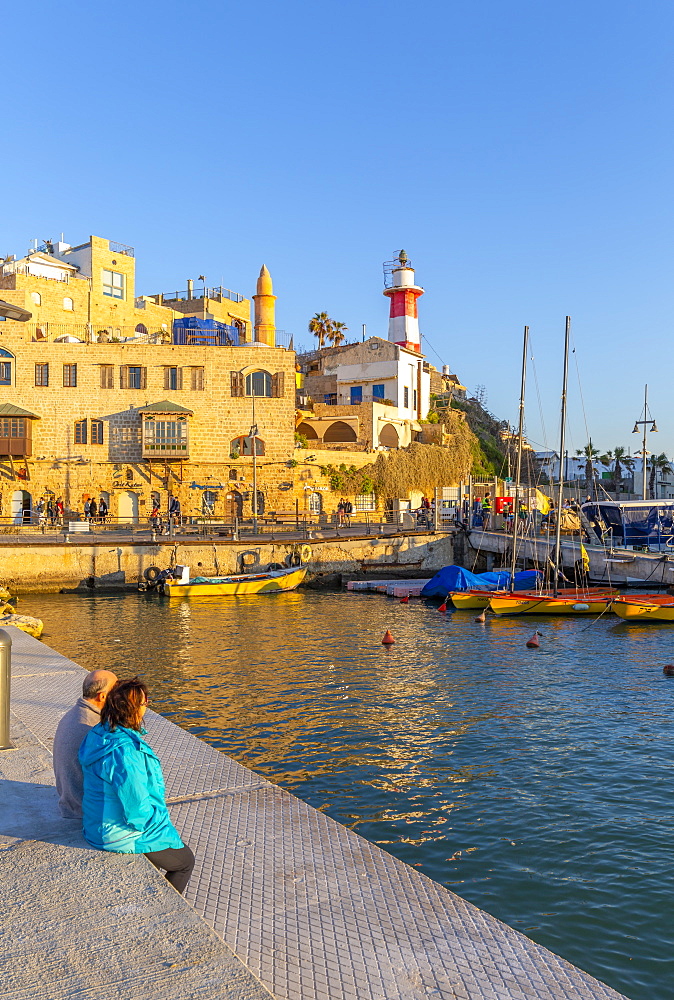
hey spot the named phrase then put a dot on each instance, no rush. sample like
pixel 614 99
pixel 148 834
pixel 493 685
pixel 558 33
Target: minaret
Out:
pixel 403 324
pixel 265 310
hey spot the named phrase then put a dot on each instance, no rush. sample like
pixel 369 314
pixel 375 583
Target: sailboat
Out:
pixel 473 599
pixel 567 601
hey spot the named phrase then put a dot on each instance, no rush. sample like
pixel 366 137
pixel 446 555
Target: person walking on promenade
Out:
pixel 59 510
pixel 71 730
pixel 174 511
pixel 93 510
pixel 348 511
pixel 87 509
pixel 124 806
pixel 102 510
pixel 486 512
pixel 340 513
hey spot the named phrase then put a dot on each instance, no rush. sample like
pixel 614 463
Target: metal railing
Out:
pixel 216 292
pixel 19 267
pixel 121 248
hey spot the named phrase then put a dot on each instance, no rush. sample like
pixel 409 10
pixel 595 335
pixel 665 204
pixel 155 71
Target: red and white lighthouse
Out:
pixel 403 324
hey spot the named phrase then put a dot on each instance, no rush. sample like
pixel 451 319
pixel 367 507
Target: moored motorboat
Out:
pixel 644 607
pixel 272 581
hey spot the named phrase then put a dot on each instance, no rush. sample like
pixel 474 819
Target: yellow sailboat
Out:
pixel 644 607
pixel 577 602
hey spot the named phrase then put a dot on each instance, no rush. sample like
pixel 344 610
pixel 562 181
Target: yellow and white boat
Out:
pixel 644 607
pixel 470 599
pixel 579 602
pixel 272 581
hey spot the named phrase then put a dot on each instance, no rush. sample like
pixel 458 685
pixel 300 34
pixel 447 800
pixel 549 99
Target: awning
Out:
pixel 166 406
pixel 9 410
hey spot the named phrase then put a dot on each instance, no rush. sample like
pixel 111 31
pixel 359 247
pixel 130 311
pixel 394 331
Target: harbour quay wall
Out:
pixel 90 565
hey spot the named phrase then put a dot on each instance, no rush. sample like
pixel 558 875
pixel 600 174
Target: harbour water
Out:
pixel 535 783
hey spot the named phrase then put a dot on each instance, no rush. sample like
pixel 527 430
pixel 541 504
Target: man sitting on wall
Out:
pixel 71 730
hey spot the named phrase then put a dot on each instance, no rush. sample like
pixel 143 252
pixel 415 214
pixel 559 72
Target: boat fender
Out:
pixel 272 566
pixel 152 574
pixel 580 607
pixel 305 553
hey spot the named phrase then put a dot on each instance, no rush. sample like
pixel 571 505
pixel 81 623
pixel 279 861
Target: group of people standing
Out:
pixel 50 510
pixel 108 775
pixel 95 512
pixel 174 514
pixel 344 512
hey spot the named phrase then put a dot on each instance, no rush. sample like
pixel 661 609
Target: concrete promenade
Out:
pixel 283 901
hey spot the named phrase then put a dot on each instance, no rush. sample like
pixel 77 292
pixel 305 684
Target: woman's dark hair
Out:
pixel 123 704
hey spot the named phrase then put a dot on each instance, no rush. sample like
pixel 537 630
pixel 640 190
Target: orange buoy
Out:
pixel 388 639
pixel 405 600
pixel 533 643
pixel 443 607
pixel 481 618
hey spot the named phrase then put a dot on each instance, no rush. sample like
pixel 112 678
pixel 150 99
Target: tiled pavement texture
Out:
pixel 313 910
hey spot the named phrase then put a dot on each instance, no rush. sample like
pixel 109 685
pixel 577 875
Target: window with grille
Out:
pixel 406 397
pixel 113 284
pixel 14 427
pixel 107 376
pixel 97 432
pixel 365 501
pixel 41 374
pixel 165 436
pixel 80 432
pixel 70 376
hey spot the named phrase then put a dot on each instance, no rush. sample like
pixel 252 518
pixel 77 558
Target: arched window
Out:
pixel 307 431
pixel 388 436
pixel 258 384
pixel 6 362
pixel 68 304
pixel 243 446
pixel 37 298
pixel 141 328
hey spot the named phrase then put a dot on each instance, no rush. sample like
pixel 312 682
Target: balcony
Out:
pixel 216 292
pixel 121 248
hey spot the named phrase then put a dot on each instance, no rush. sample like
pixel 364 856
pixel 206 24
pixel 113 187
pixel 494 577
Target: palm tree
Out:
pixel 659 463
pixel 337 335
pixel 620 459
pixel 590 454
pixel 321 326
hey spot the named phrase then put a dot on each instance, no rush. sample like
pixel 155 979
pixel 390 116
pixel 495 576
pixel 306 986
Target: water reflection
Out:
pixel 534 782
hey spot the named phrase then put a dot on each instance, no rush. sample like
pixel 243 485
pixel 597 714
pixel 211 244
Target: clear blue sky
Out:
pixel 521 152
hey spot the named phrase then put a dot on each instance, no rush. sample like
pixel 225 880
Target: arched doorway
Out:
pixel 340 432
pixel 127 507
pixel 388 436
pixel 22 506
pixel 315 503
pixel 233 504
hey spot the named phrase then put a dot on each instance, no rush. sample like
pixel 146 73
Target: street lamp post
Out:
pixel 644 453
pixel 253 437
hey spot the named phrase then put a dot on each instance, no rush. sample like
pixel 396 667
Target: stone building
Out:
pixel 104 393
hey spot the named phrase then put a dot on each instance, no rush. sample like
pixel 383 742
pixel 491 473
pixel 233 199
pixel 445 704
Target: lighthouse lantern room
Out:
pixel 399 286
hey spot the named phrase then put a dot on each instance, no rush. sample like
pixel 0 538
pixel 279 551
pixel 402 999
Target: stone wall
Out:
pixel 86 565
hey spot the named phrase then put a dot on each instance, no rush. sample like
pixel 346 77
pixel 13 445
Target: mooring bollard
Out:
pixel 5 677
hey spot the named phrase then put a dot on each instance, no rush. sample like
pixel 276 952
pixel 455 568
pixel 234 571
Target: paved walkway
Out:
pixel 309 909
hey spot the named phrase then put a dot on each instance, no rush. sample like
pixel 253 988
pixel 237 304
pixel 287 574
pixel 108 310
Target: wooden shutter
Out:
pixel 237 384
pixel 143 378
pixel 179 378
pixel 167 378
pixel 106 377
pixel 197 382
pixel 123 376
pixel 278 384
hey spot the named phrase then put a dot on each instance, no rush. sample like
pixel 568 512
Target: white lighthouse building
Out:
pixel 403 324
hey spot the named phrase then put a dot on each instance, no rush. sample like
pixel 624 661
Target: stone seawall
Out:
pixel 87 564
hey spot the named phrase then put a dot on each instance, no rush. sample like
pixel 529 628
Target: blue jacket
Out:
pixel 123 805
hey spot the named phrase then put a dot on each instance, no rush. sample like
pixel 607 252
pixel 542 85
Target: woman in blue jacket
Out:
pixel 123 806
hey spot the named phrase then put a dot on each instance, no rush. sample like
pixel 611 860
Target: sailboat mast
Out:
pixel 560 493
pixel 518 471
